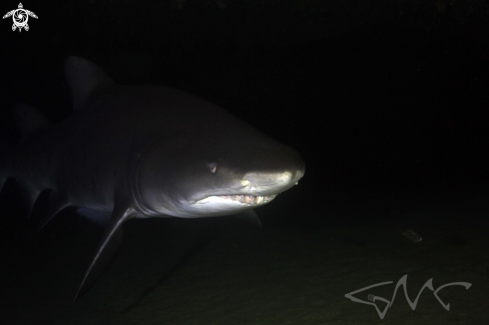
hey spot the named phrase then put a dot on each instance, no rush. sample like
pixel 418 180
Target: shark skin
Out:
pixel 140 152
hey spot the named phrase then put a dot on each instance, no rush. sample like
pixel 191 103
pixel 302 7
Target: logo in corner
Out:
pixel 20 17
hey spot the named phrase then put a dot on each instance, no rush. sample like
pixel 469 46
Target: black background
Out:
pixel 384 96
pixel 370 92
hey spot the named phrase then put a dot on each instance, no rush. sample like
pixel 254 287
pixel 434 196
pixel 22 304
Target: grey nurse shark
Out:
pixel 142 152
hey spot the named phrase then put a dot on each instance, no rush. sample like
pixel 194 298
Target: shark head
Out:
pixel 226 173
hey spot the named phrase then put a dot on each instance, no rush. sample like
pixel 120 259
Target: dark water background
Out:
pixel 385 101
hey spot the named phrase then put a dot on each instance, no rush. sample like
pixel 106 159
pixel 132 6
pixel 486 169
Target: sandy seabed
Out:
pixel 223 271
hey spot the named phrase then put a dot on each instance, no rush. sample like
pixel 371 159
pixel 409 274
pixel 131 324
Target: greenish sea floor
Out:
pixel 223 271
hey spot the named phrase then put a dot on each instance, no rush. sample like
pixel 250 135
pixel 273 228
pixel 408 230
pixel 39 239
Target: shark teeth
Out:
pixel 249 199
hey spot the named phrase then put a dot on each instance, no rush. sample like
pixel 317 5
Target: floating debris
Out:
pixel 412 235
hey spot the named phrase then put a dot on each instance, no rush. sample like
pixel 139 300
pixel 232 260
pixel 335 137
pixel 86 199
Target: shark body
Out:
pixel 143 151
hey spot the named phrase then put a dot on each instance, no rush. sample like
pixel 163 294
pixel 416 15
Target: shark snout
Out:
pixel 269 182
pixel 287 171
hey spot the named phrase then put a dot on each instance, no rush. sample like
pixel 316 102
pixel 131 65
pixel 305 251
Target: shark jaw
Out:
pixel 249 200
pixel 227 204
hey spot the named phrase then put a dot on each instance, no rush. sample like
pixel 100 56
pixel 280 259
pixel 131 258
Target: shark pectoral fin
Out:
pixel 108 245
pixel 250 217
pixel 57 202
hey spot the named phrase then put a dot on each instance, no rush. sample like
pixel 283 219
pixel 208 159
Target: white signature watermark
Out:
pixel 402 281
pixel 20 16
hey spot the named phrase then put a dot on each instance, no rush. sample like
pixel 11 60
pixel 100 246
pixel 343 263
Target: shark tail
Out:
pixel 29 121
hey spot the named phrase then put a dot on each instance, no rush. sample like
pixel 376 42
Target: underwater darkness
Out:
pixel 386 102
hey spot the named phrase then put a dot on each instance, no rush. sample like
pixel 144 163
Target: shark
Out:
pixel 135 151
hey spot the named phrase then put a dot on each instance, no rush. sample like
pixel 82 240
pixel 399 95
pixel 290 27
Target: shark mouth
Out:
pixel 249 199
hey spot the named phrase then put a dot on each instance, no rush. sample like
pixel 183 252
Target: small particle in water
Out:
pixel 412 235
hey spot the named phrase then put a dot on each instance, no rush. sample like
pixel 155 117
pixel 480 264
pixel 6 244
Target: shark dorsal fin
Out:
pixel 84 78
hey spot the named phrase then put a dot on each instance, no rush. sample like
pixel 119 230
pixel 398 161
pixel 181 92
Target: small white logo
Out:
pixel 20 17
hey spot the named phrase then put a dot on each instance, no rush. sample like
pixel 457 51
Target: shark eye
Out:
pixel 213 167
